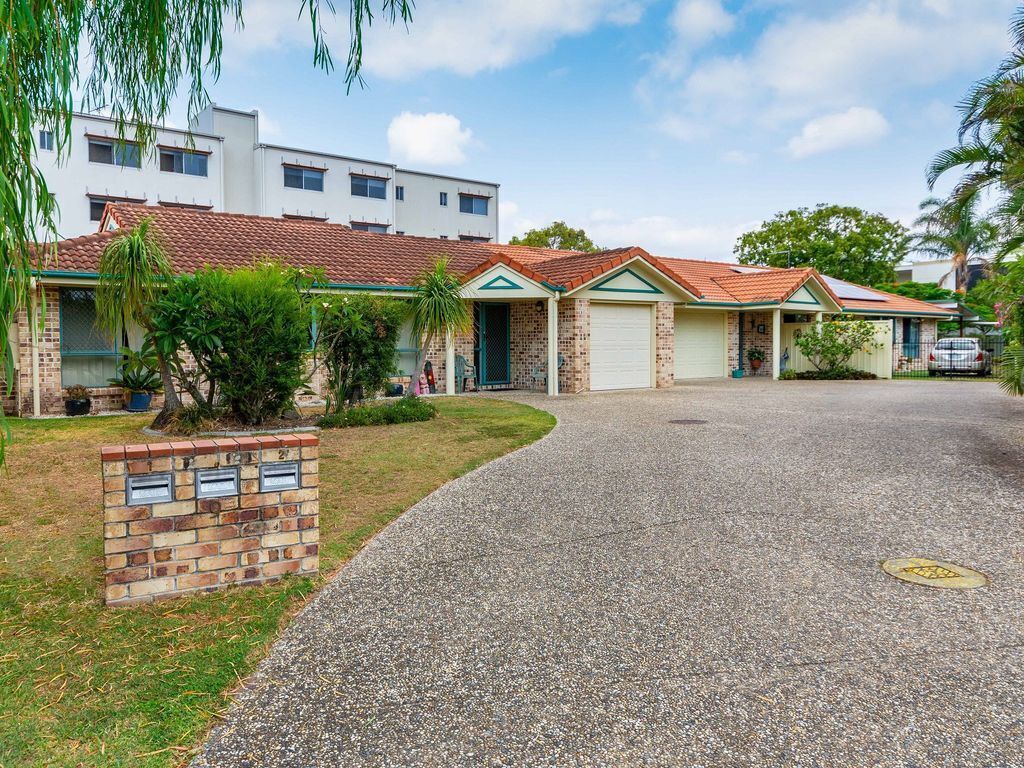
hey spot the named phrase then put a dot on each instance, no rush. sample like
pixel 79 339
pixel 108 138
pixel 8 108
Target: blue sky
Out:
pixel 672 125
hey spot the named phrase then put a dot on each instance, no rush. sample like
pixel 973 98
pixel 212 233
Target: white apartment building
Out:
pixel 221 165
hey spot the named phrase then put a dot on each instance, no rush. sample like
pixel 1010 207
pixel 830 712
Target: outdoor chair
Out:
pixel 540 372
pixel 463 372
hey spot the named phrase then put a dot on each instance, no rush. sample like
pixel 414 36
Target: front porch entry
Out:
pixel 492 344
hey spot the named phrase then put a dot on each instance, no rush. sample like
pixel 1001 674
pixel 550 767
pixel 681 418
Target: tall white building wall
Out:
pixel 77 180
pixel 421 212
pixel 247 176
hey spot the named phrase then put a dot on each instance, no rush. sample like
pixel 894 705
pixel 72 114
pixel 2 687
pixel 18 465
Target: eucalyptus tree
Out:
pixel 128 57
pixel 437 310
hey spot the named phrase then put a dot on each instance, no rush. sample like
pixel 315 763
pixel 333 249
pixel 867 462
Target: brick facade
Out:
pixel 574 345
pixel 153 551
pixel 664 344
pixel 529 345
pixel 753 339
pixel 733 329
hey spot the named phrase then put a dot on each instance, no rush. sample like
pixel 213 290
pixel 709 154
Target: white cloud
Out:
pixel 269 128
pixel 471 36
pixel 855 127
pixel 664 235
pixel 434 138
pixel 697 21
pixel 738 157
pixel 815 58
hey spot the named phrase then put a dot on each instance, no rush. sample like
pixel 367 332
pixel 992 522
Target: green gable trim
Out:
pixel 651 288
pixel 500 283
pixel 813 302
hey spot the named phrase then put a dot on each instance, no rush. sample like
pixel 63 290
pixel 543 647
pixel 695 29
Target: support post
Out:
pixel 552 346
pixel 449 364
pixel 776 342
pixel 34 323
pixel 819 317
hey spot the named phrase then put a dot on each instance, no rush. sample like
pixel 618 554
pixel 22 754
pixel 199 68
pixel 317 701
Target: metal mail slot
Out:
pixel 150 489
pixel 216 482
pixel 279 477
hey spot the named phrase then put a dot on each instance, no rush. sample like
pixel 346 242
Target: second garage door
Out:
pixel 620 346
pixel 700 344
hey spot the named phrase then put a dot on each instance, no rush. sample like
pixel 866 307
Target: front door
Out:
pixel 493 344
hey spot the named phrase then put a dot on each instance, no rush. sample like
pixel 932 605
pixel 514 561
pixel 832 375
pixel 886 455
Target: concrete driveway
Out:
pixel 633 592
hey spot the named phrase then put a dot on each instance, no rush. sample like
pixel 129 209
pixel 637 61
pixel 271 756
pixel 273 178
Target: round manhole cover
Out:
pixel 687 421
pixel 934 573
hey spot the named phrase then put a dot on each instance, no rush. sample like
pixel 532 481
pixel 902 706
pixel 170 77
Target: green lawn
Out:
pixel 82 685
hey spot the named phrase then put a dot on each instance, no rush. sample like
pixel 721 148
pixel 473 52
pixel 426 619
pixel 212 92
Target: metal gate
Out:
pixel 969 356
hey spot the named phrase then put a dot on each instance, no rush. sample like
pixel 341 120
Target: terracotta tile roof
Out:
pixel 194 239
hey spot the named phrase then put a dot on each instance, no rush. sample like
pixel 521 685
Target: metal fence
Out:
pixel 978 357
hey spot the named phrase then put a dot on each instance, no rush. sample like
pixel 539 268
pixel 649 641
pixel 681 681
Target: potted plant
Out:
pixel 139 378
pixel 76 400
pixel 756 357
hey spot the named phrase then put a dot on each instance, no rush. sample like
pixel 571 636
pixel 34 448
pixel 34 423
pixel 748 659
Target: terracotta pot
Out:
pixel 755 364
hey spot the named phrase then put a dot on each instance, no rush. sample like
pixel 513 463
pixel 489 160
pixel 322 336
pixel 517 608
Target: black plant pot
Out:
pixel 77 407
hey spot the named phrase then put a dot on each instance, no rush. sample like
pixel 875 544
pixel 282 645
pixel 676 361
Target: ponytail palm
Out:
pixel 134 271
pixel 438 310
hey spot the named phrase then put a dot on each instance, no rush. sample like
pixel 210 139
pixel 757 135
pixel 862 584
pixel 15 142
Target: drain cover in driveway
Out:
pixel 934 573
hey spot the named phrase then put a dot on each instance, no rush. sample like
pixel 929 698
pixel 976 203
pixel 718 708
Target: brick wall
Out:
pixel 574 345
pixel 665 343
pixel 529 344
pixel 754 340
pixel 733 329
pixel 51 397
pixel 153 551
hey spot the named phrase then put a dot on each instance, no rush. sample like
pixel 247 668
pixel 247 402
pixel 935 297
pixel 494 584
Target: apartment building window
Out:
pixel 304 178
pixel 399 193
pixel 444 199
pixel 96 206
pixel 473 204
pixel 124 154
pixel 368 186
pixel 444 237
pixel 46 140
pixel 183 161
pixel 362 226
pixel 474 239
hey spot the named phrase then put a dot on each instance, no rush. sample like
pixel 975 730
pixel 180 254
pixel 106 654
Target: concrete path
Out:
pixel 633 592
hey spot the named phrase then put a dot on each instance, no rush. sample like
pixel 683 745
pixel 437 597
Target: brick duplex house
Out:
pixel 616 319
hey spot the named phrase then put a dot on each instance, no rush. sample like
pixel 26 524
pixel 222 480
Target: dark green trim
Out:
pixel 893 312
pixel 735 305
pixel 358 287
pixel 617 275
pixel 814 303
pixel 494 284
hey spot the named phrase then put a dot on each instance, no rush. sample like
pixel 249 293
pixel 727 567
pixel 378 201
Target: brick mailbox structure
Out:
pixel 202 515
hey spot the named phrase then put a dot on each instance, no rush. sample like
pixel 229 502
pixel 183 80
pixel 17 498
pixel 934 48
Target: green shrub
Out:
pixel 247 331
pixel 788 375
pixel 829 346
pixel 190 419
pixel 402 411
pixel 835 374
pixel 357 342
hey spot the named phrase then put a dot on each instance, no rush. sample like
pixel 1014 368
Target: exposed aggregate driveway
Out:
pixel 632 592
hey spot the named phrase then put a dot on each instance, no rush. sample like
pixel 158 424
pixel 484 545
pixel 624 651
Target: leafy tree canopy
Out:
pixel 558 235
pixel 919 291
pixel 841 241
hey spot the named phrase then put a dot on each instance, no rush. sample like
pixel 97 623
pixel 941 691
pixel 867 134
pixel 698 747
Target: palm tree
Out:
pixel 954 230
pixel 990 150
pixel 437 310
pixel 133 270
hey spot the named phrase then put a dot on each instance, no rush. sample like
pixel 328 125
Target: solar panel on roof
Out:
pixel 845 290
pixel 749 270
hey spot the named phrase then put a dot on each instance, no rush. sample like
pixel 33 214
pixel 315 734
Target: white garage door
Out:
pixel 700 344
pixel 620 346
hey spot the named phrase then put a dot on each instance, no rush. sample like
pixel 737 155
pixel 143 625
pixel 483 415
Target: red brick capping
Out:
pixel 185 545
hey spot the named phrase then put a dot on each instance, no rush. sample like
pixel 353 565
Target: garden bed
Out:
pixel 89 686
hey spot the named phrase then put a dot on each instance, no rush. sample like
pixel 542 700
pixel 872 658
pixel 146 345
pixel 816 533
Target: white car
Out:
pixel 959 355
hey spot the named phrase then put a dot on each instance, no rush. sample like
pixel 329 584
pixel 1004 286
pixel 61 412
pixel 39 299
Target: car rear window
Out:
pixel 957 344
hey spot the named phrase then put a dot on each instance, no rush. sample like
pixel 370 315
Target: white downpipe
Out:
pixel 34 322
pixel 776 342
pixel 449 364
pixel 553 346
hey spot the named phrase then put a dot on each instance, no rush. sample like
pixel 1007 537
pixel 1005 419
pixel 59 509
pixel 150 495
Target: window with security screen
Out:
pixel 87 356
